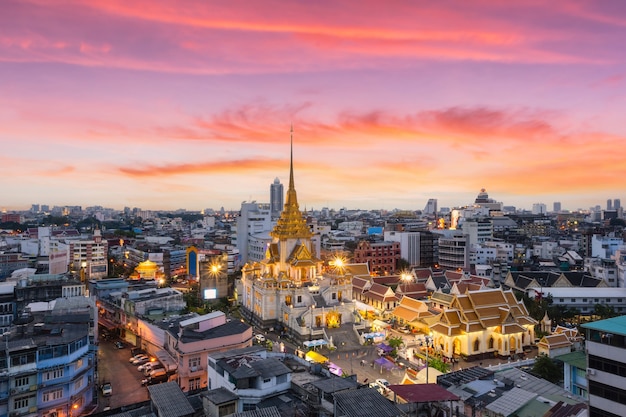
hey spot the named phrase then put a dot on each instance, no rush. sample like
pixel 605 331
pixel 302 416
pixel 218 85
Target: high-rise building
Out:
pixel 609 204
pixel 431 206
pixel 254 223
pixel 539 208
pixel 556 207
pixel 276 198
pixel 605 364
pixel 617 204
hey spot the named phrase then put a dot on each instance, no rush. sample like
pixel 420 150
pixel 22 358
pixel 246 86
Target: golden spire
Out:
pixel 291 223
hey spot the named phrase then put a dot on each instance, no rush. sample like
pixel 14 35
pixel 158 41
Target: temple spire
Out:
pixel 291 183
pixel 291 223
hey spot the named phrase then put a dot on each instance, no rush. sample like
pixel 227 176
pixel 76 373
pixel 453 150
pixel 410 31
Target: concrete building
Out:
pixel 88 257
pixel 254 219
pixel 277 193
pixel 250 373
pixel 48 361
pixel 478 231
pixel 381 257
pixel 191 341
pixel 454 252
pixel 418 248
pixel 606 366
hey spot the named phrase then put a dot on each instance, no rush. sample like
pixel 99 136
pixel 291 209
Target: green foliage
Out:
pixel 604 311
pixel 547 369
pixel 439 365
pixel 395 342
pixel 403 264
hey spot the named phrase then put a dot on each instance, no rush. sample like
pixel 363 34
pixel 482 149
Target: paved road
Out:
pixel 113 366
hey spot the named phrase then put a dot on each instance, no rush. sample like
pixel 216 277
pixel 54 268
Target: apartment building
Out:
pixel 606 366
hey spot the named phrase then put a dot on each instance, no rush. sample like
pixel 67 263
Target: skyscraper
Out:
pixel 276 198
pixel 617 204
pixel 609 204
pixel 431 206
pixel 556 206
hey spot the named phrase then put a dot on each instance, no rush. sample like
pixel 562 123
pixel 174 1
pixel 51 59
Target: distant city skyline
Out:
pixel 163 107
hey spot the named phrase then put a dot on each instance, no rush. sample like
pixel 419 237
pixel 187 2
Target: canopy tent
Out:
pixel 384 347
pixel 374 335
pixel 314 343
pixel 384 363
pixel 335 369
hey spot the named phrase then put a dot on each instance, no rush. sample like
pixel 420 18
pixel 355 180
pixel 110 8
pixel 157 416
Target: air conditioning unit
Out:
pixel 591 371
pixel 13 390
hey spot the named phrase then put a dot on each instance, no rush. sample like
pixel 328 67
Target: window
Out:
pixel 334 296
pixel 194 383
pixel 267 380
pixel 52 395
pixel 79 364
pixel 194 361
pixel 57 373
pixel 561 300
pixel 573 300
pixel 21 382
pixel 78 384
pixel 20 403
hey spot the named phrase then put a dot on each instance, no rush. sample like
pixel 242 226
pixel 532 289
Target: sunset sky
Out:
pixel 167 104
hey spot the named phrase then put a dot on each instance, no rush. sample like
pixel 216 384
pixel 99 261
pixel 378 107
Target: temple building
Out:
pixel 477 324
pixel 289 289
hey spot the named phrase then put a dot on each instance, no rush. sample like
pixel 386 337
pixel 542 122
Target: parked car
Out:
pixel 139 359
pixel 259 338
pixel 156 377
pixel 119 345
pixel 147 366
pixel 147 371
pixel 106 389
pixel 139 355
pixel 382 385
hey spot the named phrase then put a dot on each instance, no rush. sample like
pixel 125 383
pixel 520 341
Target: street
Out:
pixel 113 367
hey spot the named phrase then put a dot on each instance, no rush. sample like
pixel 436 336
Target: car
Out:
pixel 382 385
pixel 119 345
pixel 259 338
pixel 106 389
pixel 146 366
pixel 139 355
pixel 147 371
pixel 141 361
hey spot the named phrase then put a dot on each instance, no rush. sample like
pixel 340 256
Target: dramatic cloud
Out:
pixel 163 105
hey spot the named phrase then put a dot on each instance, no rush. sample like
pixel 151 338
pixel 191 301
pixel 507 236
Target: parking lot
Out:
pixel 125 379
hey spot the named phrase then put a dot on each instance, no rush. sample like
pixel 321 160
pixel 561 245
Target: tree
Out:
pixel 439 365
pixel 402 265
pixel 604 311
pixel 547 369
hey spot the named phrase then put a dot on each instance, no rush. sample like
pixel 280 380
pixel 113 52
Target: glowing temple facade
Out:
pixel 289 289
